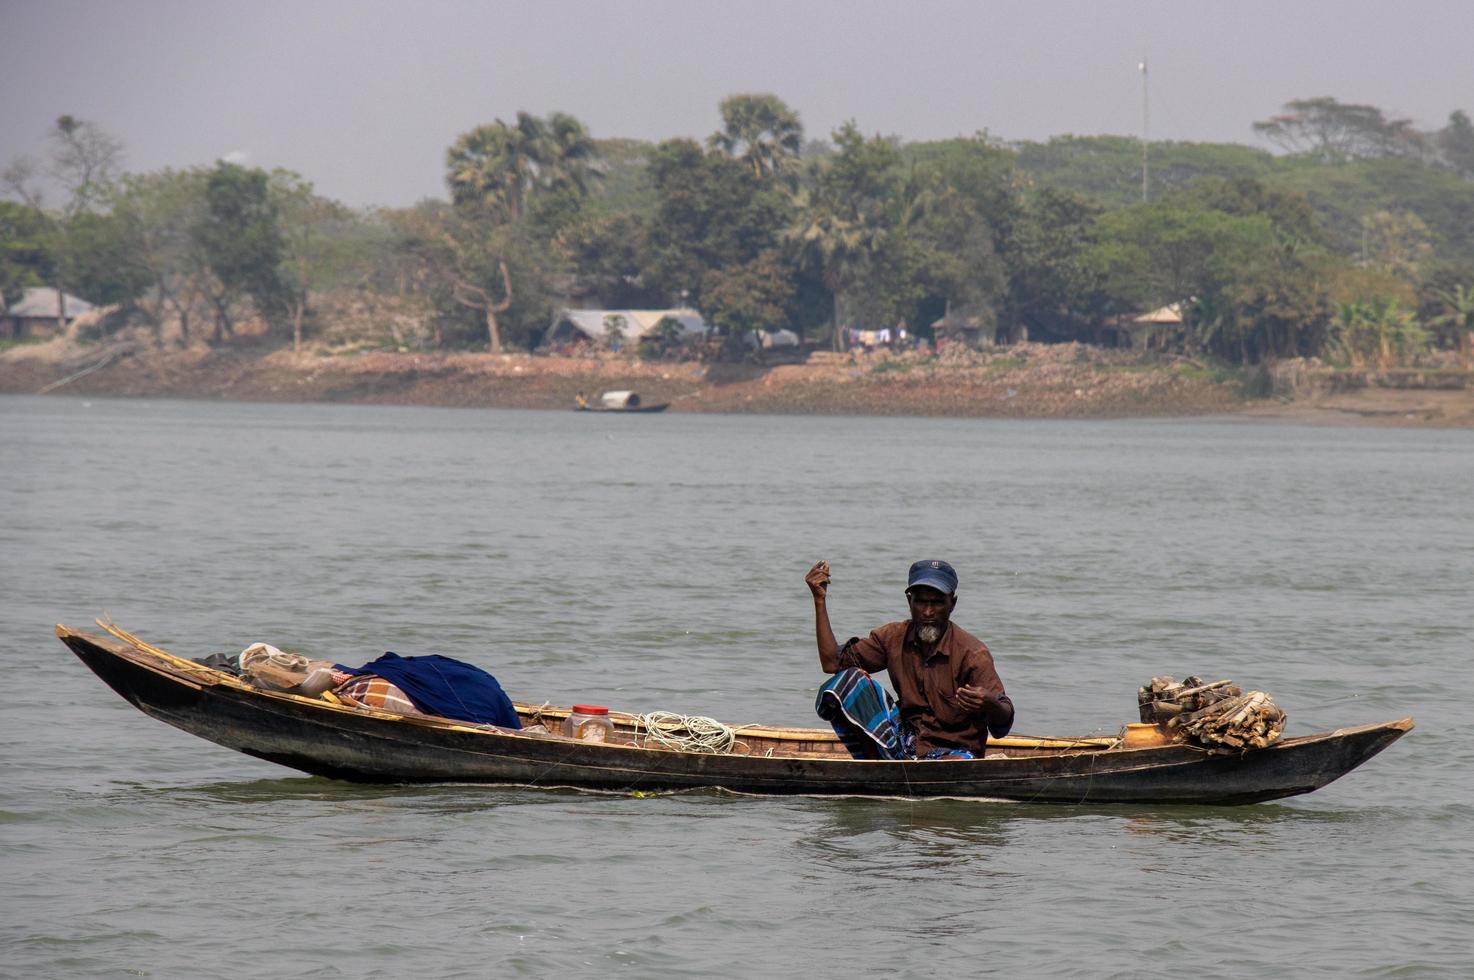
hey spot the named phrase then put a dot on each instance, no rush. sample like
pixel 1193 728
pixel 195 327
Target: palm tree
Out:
pixel 845 221
pixel 760 130
pixel 495 166
pixel 833 245
pixel 1458 319
pixel 494 172
pixel 475 168
pixel 569 159
pixel 503 166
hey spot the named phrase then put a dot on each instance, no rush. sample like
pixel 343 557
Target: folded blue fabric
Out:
pixel 446 687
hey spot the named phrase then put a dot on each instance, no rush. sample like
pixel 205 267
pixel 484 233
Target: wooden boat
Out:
pixel 360 745
pixel 620 401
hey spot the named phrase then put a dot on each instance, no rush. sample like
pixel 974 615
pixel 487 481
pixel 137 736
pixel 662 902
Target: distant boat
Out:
pixel 618 401
pixel 342 742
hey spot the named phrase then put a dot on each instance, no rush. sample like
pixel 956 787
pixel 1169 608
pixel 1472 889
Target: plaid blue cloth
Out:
pixel 863 713
pixel 867 720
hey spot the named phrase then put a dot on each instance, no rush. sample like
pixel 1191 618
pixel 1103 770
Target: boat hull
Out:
pixel 327 740
pixel 637 410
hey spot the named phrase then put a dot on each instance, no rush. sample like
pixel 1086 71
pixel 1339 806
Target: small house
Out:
pixel 977 330
pixel 41 312
pixel 1158 330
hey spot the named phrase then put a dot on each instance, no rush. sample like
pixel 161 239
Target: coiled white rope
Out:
pixel 687 733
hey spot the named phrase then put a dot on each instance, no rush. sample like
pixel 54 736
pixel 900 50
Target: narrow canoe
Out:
pixel 658 407
pixel 325 739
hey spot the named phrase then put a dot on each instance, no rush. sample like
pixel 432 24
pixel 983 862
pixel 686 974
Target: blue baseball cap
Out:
pixel 935 574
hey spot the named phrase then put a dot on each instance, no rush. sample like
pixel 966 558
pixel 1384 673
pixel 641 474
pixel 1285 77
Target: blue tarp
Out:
pixel 449 688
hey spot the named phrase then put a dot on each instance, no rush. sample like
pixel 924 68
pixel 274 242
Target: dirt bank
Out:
pixel 1027 381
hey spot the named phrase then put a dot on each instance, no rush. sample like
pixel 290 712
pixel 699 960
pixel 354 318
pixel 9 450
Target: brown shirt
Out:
pixel 927 689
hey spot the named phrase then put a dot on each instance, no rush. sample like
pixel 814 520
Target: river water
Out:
pixel 657 563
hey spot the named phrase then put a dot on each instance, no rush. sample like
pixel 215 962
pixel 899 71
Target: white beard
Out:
pixel 928 634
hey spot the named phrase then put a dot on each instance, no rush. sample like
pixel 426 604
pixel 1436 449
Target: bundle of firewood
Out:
pixel 1219 716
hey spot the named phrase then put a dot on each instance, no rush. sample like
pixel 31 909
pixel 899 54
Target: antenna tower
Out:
pixel 1145 133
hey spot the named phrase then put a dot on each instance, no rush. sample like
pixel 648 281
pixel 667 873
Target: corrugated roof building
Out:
pixel 574 326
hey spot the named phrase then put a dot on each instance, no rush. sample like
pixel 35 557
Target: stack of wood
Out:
pixel 1219 716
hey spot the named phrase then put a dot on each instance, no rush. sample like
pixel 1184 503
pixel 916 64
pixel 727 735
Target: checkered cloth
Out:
pixel 368 691
pixel 867 720
pixel 864 715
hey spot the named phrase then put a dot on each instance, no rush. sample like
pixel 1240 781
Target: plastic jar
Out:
pixel 589 723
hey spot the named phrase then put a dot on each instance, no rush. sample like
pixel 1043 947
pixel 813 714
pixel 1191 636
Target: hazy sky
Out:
pixel 363 97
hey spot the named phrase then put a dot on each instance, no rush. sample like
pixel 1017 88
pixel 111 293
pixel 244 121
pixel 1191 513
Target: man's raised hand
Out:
pixel 818 579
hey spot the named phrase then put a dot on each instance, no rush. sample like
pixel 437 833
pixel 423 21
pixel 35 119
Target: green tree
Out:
pixel 500 176
pixel 668 341
pixel 1376 330
pixel 496 166
pixel 898 278
pixel 1250 283
pixel 712 215
pixel 26 258
pixel 572 163
pixel 845 218
pixel 481 271
pixel 1456 321
pixel 1330 131
pixel 1290 212
pixel 836 247
pixel 103 261
pixel 1456 144
pixel 611 252
pixel 1343 196
pixel 84 160
pixel 503 167
pixel 1398 242
pixel 317 245
pixel 960 196
pixel 615 326
pixel 1052 291
pixel 1153 254
pixel 242 242
pixel 161 213
pixel 492 278
pixel 1107 169
pixel 762 131
pixel 1272 303
pixel 751 296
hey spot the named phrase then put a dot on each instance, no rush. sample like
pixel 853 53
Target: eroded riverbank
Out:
pixel 1025 381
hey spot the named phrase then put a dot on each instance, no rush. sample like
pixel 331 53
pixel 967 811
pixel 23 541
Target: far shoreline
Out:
pixel 1031 381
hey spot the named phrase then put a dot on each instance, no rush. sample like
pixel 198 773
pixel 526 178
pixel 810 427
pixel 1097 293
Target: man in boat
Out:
pixel 950 695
